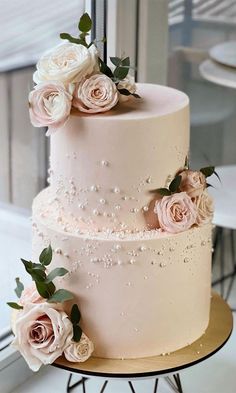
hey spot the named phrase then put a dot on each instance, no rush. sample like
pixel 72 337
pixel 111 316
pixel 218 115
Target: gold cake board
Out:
pixel 216 335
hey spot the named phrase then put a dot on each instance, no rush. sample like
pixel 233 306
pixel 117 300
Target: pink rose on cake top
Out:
pixel 95 94
pixel 50 105
pixel 76 65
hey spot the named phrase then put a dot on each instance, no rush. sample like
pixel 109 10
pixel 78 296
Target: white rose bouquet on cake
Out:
pixel 72 75
pixel 43 330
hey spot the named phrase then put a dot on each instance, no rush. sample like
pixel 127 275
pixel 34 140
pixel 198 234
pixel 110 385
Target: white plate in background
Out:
pixel 224 53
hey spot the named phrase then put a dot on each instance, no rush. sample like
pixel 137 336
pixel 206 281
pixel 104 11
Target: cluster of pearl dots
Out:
pixel 102 201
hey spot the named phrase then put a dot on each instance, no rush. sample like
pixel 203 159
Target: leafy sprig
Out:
pixel 173 187
pixel 84 26
pixel 175 184
pixel 75 317
pixel 122 64
pixel 43 281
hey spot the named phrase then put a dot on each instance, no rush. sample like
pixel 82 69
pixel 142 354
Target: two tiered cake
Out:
pixel 125 224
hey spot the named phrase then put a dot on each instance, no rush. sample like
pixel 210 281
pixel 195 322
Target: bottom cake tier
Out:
pixel 141 294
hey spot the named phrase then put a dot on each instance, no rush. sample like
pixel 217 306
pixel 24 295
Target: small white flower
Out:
pixel 128 84
pixel 79 351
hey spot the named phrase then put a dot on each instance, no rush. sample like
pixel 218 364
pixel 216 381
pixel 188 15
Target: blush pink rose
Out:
pixel 176 213
pixel 50 105
pixel 79 351
pixel 30 295
pixel 41 334
pixel 205 208
pixel 192 182
pixel 96 94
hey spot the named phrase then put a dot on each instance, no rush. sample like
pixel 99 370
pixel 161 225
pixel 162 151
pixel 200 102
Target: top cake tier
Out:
pixel 103 166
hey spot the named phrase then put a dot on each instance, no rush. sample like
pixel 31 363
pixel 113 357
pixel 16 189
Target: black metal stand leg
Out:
pixel 155 386
pixel 175 384
pixel 104 386
pixel 70 386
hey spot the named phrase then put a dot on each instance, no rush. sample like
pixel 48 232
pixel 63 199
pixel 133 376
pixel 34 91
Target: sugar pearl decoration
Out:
pixel 148 180
pixel 102 201
pixel 145 208
pixel 186 260
pixel 132 261
pixel 162 264
pixel 96 212
pixel 58 251
pixel 203 243
pixel 142 248
pixel 116 190
pixel 94 188
pixel 104 163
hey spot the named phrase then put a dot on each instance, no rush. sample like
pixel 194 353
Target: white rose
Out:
pixel 95 94
pixel 79 352
pixel 41 334
pixel 50 105
pixel 128 84
pixel 205 208
pixel 67 63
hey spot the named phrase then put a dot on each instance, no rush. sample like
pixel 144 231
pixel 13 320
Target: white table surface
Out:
pixel 217 73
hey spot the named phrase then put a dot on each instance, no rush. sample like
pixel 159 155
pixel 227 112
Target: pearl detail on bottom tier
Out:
pixel 166 299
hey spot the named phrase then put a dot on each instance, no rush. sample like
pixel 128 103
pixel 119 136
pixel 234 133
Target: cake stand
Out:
pixel 167 366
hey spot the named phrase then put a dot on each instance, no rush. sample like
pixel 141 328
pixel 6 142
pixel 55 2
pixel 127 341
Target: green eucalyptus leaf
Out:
pixel 136 95
pixel 161 191
pixel 46 290
pixel 121 72
pixel 104 68
pixel 19 287
pixel 16 306
pixel 57 272
pixel 75 314
pixel 174 185
pixel 66 36
pixel 45 257
pixel 27 264
pixel 125 92
pixel 126 62
pixel 38 275
pixel 77 333
pixel 85 23
pixel 60 296
pixel 218 177
pixel 116 61
pixel 208 171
